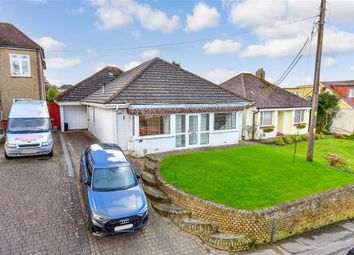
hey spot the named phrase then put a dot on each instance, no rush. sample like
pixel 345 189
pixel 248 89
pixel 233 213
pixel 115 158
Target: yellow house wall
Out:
pixel 18 87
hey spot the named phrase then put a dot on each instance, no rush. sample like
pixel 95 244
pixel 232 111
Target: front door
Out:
pixel 192 130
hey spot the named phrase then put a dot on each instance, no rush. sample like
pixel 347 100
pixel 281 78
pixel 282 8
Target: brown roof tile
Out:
pixel 159 82
pixel 12 37
pixel 253 88
pixel 90 85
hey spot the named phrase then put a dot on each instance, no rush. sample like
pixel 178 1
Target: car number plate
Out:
pixel 30 151
pixel 123 227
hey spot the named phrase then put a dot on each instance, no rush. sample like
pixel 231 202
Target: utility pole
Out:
pixel 313 119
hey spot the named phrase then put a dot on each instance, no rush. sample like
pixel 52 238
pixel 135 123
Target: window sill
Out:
pixel 21 76
pixel 153 136
pixel 224 131
pixel 299 123
pixel 263 127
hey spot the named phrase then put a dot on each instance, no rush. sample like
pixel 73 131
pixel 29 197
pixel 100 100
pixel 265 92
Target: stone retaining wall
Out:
pixel 274 223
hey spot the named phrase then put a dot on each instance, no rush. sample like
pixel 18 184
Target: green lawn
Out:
pixel 260 176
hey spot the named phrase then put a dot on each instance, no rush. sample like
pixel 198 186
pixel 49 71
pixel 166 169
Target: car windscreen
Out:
pixel 28 125
pixel 116 178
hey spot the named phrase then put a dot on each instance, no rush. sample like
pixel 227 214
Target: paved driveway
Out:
pixel 160 236
pixel 40 209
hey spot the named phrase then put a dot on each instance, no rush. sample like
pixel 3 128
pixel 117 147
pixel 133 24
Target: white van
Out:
pixel 28 129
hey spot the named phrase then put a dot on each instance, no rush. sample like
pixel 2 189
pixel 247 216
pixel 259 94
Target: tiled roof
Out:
pixel 258 90
pixel 12 37
pixel 159 82
pixel 330 84
pixel 89 85
pixel 65 86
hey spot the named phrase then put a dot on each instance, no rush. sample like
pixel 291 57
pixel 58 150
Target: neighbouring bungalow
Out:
pixel 158 107
pixel 64 88
pixel 73 115
pixel 344 121
pixel 275 111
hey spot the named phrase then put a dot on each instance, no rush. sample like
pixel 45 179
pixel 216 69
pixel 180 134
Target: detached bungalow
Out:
pixel 158 107
pixel 73 115
pixel 344 121
pixel 275 111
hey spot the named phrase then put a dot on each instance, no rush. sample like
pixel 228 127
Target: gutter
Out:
pixel 42 94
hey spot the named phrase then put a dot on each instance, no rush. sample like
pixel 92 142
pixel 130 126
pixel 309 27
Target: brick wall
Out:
pixel 18 87
pixel 274 223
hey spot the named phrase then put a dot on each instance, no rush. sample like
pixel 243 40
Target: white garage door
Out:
pixel 75 116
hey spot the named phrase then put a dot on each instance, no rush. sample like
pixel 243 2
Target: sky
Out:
pixel 214 39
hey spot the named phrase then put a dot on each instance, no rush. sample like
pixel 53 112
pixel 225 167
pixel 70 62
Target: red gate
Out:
pixel 54 112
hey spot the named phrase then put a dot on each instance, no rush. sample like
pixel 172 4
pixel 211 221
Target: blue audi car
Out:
pixel 115 202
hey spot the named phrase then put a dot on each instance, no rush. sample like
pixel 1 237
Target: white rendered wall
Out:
pixel 103 126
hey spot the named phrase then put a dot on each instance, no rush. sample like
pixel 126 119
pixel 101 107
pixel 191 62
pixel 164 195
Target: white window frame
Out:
pixel 262 119
pixel 351 93
pixel 157 135
pixel 233 114
pixel 12 58
pixel 302 116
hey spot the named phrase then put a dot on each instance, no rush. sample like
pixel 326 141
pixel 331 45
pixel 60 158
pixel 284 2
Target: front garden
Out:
pixel 260 176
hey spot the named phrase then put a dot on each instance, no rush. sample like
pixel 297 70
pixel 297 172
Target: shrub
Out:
pixel 268 130
pixel 279 141
pixel 322 135
pixel 350 137
pixel 317 136
pixel 288 140
pixel 335 160
pixel 338 136
pixel 305 137
pixel 296 138
pixel 301 126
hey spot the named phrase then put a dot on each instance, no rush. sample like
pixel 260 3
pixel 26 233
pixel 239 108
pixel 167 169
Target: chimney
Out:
pixel 260 73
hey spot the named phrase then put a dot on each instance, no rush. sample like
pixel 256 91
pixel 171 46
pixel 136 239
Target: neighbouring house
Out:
pixel 344 121
pixel 275 111
pixel 73 115
pixel 21 68
pixel 158 107
pixel 64 87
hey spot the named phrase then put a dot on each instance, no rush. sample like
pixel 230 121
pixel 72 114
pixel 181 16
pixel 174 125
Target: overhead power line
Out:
pixel 160 45
pixel 291 66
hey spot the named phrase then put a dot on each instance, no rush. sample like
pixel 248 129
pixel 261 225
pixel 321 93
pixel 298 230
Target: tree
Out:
pixel 52 93
pixel 328 107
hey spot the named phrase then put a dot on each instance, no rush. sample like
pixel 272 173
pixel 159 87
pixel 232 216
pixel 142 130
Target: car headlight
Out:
pixel 143 211
pixel 48 143
pixel 99 218
pixel 11 145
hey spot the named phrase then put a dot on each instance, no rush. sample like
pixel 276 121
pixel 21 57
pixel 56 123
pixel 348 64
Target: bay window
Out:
pixel 267 118
pixel 20 65
pixel 225 121
pixel 299 116
pixel 154 125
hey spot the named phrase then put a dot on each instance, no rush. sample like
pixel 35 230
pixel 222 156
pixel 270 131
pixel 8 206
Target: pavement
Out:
pixel 41 213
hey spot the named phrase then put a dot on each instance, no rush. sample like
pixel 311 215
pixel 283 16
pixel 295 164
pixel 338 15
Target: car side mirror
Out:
pixel 86 181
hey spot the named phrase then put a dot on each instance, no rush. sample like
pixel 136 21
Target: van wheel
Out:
pixel 7 157
pixel 51 154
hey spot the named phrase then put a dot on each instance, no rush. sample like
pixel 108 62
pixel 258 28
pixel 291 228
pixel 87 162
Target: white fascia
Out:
pixel 284 109
pixel 162 106
pixel 68 103
pixel 106 106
